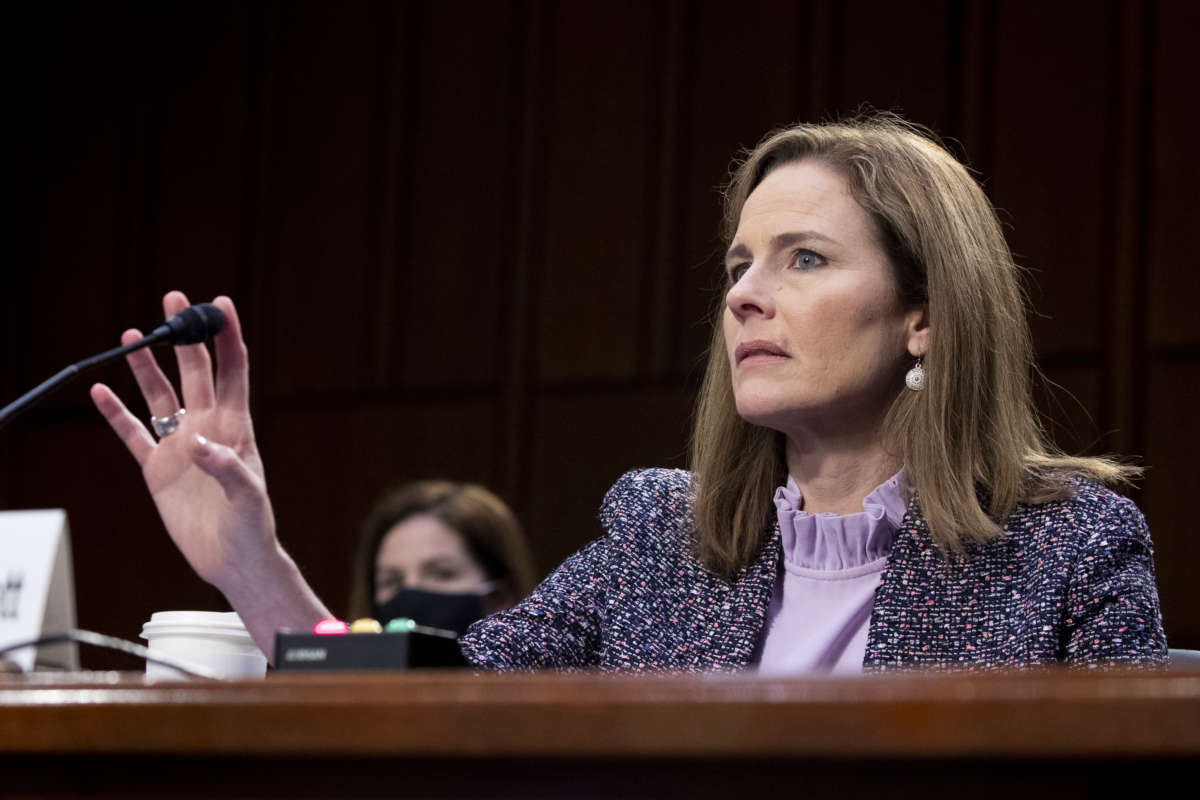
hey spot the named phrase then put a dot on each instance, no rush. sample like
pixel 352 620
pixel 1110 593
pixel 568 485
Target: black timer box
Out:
pixel 417 648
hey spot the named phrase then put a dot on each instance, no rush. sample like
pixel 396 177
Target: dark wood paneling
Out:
pixel 889 71
pixel 1171 333
pixel 598 200
pixel 1123 403
pixel 1172 488
pixel 452 254
pixel 1174 243
pixel 196 158
pixel 76 263
pixel 321 177
pixel 1053 120
pixel 584 441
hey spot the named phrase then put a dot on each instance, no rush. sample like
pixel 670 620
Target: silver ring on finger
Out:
pixel 165 426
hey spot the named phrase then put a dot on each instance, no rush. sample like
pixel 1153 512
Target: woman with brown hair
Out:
pixel 870 485
pixel 440 553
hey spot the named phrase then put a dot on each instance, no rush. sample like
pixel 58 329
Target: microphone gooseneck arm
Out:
pixel 193 325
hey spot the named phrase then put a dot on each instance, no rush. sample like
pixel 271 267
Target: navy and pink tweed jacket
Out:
pixel 1070 581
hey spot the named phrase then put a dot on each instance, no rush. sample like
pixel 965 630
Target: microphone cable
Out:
pixel 80 636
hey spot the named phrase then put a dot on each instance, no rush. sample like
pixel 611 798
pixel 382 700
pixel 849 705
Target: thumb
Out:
pixel 224 465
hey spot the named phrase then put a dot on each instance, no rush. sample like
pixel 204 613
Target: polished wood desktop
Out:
pixel 457 734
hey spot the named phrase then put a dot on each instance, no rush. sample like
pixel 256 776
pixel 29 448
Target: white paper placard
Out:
pixel 37 587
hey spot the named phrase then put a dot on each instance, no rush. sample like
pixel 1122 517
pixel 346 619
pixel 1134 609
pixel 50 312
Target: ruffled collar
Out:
pixel 828 542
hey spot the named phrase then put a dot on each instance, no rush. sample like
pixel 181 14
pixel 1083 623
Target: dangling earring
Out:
pixel 915 377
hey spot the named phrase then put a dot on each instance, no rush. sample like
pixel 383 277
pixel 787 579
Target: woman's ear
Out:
pixel 917 325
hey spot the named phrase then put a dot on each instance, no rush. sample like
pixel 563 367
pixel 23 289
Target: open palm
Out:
pixel 206 478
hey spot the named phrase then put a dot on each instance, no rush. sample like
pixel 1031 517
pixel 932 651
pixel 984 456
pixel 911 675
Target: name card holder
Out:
pixel 37 587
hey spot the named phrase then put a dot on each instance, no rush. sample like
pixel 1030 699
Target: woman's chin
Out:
pixel 767 415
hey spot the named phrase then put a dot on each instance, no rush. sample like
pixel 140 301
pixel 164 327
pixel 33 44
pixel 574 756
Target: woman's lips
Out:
pixel 759 351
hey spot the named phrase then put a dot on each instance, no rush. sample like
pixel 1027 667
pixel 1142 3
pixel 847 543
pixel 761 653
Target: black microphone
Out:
pixel 193 325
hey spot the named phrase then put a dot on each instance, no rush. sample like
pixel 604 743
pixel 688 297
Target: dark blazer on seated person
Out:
pixel 1070 581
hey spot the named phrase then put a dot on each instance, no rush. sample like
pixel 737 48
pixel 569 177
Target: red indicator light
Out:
pixel 330 627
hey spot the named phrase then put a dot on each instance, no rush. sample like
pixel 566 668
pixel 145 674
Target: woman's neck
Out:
pixel 834 476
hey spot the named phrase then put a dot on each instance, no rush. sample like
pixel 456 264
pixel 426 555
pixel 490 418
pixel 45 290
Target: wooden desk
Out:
pixel 440 734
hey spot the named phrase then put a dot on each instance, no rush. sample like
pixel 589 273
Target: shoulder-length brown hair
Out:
pixel 488 528
pixel 971 442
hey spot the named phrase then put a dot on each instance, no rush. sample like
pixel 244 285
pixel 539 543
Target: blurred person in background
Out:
pixel 440 553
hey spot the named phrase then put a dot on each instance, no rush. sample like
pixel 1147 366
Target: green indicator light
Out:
pixel 400 625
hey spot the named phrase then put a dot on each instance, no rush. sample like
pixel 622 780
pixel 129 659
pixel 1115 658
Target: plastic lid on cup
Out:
pixel 215 623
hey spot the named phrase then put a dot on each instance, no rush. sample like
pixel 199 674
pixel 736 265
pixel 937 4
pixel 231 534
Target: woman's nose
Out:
pixel 749 295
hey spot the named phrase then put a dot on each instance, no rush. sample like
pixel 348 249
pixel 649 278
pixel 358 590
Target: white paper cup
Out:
pixel 215 641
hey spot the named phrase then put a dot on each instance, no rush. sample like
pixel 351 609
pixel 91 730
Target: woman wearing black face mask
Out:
pixel 440 553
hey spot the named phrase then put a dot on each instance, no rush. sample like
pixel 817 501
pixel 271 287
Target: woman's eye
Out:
pixel 441 573
pixel 807 259
pixel 736 272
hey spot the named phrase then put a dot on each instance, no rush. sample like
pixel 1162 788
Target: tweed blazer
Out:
pixel 1069 581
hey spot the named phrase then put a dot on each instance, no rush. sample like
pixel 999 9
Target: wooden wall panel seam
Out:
pixel 678 227
pixel 662 158
pixel 519 415
pixel 1139 376
pixel 978 121
pixel 256 272
pixel 1123 402
pixel 380 312
pixel 253 157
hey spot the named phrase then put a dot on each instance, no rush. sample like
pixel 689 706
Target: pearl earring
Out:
pixel 915 377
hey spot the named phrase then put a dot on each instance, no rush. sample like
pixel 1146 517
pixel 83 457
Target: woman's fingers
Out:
pixel 222 463
pixel 127 427
pixel 195 365
pixel 156 389
pixel 233 379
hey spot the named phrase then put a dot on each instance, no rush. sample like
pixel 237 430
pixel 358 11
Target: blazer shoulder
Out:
pixel 648 498
pixel 1092 511
pixel 1093 497
pixel 646 494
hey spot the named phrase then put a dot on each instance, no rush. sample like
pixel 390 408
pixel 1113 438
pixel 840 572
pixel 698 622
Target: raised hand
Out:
pixel 210 520
pixel 207 478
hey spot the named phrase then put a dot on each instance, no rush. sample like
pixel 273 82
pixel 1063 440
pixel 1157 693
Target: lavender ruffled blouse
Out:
pixel 832 564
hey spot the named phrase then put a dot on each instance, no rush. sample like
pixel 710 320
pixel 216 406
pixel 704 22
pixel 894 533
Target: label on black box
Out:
pixel 419 648
pixel 306 654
